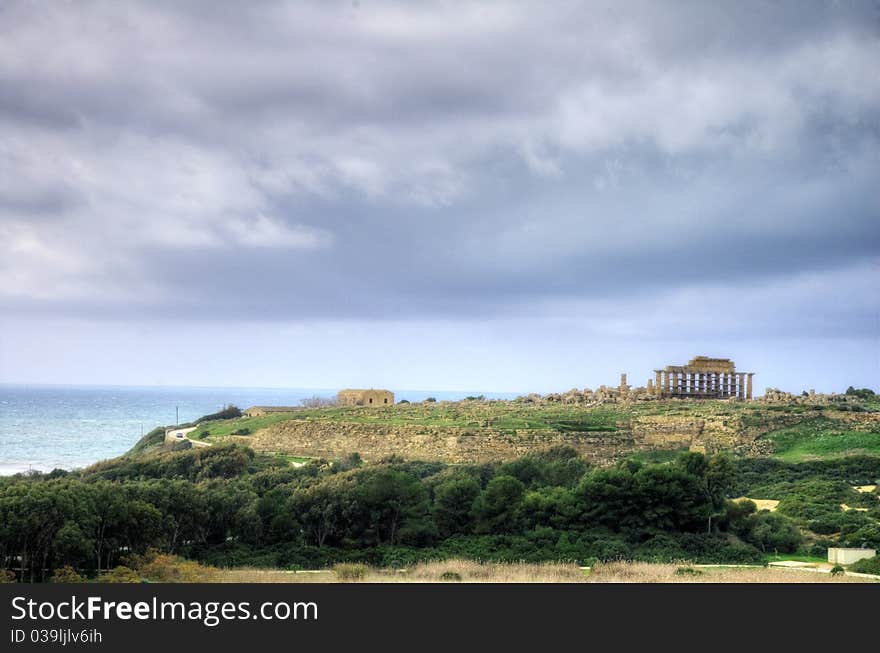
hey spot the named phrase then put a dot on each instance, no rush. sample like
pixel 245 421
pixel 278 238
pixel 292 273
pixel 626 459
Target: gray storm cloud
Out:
pixel 438 160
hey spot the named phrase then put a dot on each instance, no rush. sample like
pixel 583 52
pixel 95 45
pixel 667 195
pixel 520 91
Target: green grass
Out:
pixel 226 427
pixel 819 439
pixel 299 460
pixel 795 557
pixel 657 455
pixel 500 416
pixel 807 434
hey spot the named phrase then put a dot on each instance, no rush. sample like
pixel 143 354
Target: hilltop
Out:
pixel 789 427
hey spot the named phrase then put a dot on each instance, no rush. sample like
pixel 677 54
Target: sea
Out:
pixel 44 427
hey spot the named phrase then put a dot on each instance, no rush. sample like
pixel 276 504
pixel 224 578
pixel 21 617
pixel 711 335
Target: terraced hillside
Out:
pixel 482 431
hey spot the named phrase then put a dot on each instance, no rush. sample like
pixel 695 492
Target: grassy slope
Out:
pixel 809 435
pixel 496 415
pixel 223 428
pixel 822 438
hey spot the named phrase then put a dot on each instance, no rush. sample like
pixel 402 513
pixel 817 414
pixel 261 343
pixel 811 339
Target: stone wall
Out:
pixel 330 439
pixel 450 444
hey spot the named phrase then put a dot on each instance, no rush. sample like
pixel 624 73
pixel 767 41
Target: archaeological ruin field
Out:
pixel 787 427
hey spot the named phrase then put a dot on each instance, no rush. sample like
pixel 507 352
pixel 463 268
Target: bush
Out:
pixel 242 431
pixel 820 547
pixel 121 574
pixel 228 412
pixel 770 532
pixel 824 526
pixel 451 576
pixel 350 572
pixel 867 566
pixel 836 570
pixel 688 571
pixel 7 576
pixel 163 568
pixel 431 400
pixel 67 574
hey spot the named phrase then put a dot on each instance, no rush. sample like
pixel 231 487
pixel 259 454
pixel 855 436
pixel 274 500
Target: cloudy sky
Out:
pixel 489 196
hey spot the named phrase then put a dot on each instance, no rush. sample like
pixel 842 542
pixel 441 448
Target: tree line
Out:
pixel 227 506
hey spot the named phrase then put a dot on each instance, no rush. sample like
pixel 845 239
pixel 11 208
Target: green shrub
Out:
pixel 770 532
pixel 242 431
pixel 688 571
pixel 350 572
pixel 451 576
pixel 867 566
pixel 7 576
pixel 228 412
pixel 836 570
pixel 824 526
pixel 862 393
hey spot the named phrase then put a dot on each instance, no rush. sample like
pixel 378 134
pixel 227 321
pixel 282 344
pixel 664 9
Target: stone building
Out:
pixel 369 397
pixel 260 411
pixel 702 378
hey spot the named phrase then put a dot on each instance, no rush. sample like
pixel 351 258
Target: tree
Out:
pixel 323 510
pixel 390 498
pixel 771 532
pixel 716 476
pixel 555 507
pixel 497 508
pixel 454 505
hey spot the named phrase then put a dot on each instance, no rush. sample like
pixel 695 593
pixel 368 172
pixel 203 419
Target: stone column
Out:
pixel 725 385
pixel 657 386
pixel 692 383
pixel 749 386
pixel 741 382
pixel 675 383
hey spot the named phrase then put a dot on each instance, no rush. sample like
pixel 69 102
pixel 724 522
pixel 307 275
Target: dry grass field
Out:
pixel 466 571
pixel 644 572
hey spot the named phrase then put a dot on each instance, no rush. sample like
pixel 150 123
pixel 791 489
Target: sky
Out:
pixel 511 197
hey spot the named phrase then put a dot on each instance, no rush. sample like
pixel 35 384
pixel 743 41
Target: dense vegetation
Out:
pixel 868 566
pixel 227 506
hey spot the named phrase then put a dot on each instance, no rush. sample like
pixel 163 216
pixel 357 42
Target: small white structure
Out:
pixel 849 556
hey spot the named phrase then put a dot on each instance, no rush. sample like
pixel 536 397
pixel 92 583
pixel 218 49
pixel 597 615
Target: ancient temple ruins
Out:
pixel 702 378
